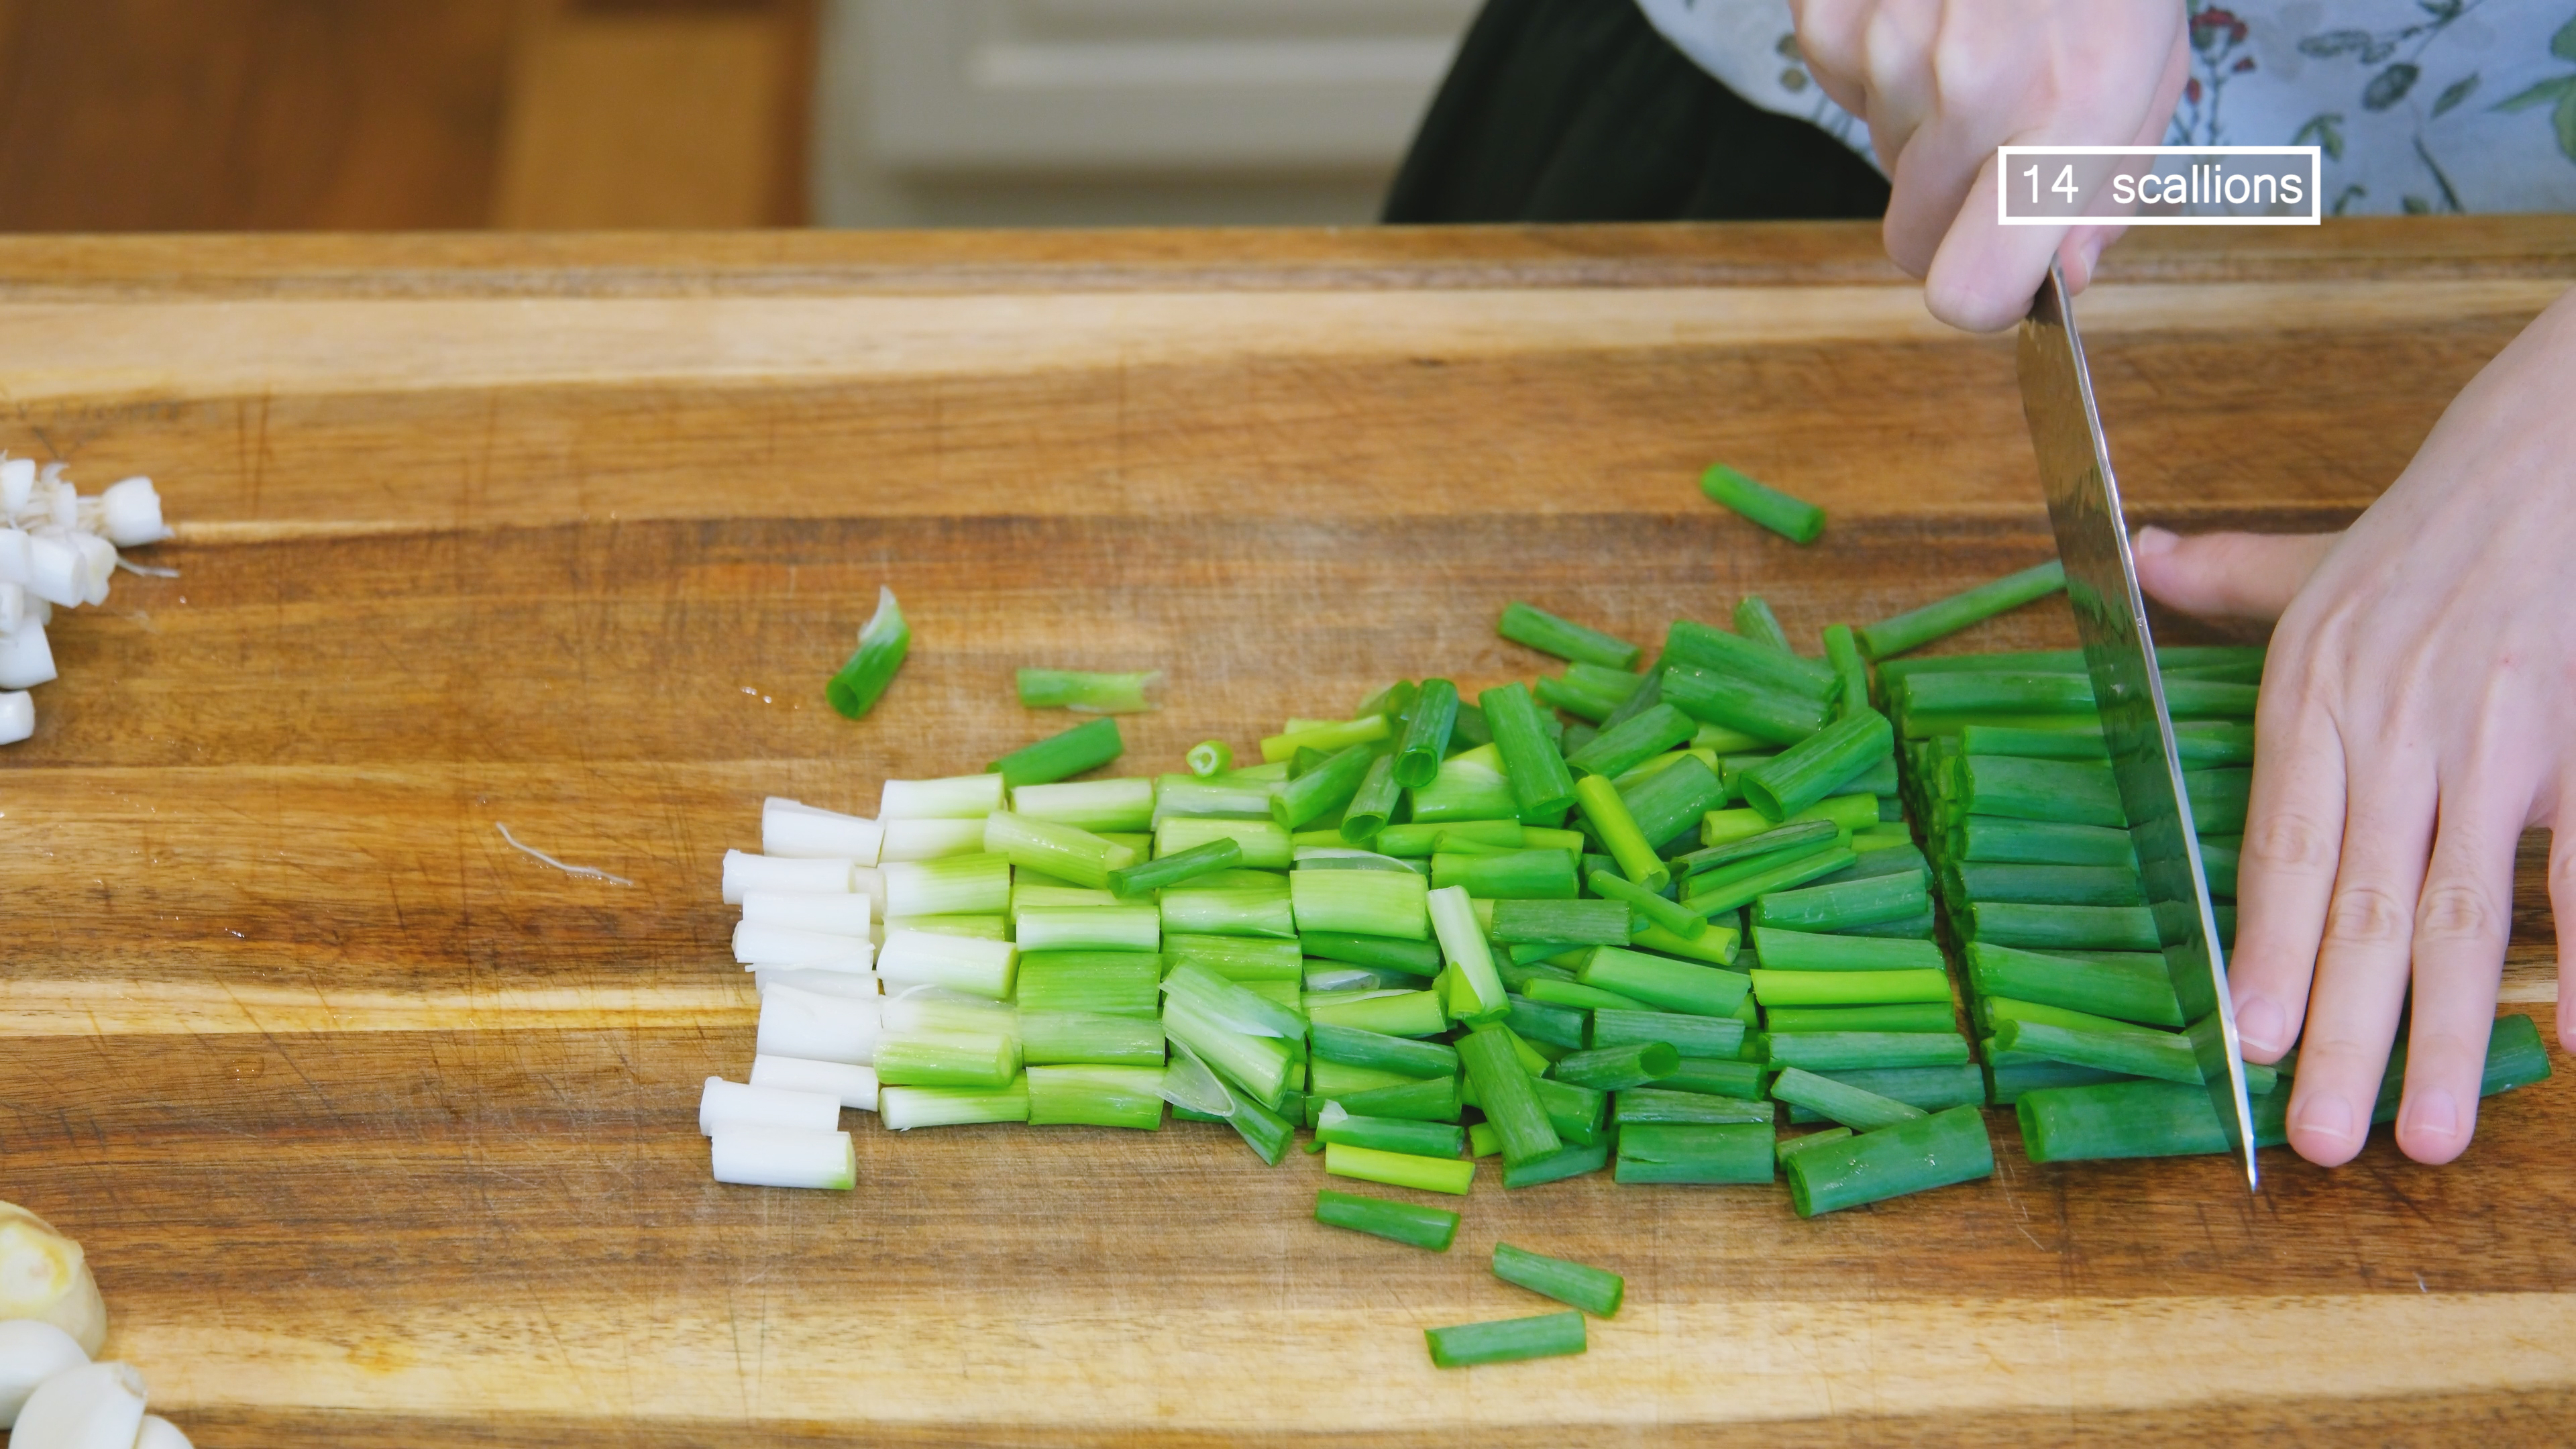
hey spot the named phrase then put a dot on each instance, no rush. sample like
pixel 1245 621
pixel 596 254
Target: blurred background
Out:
pixel 123 115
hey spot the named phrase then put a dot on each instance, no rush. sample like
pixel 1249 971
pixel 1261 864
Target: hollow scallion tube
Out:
pixel 1772 715
pixel 1601 922
pixel 1089 692
pixel 1728 888
pixel 2053 885
pixel 1831 1051
pixel 1755 621
pixel 1910 1016
pixel 1236 958
pixel 1096 1095
pixel 1415 956
pixel 1594 1290
pixel 1093 805
pixel 1690 644
pixel 1125 983
pixel 959 885
pixel 1053 1038
pixel 1706 1037
pixel 1917 627
pixel 1067 852
pixel 1086 746
pixel 1361 1048
pixel 1578 996
pixel 1678 919
pixel 1374 803
pixel 1258 1064
pixel 1433 1099
pixel 1504 1091
pixel 1426 733
pixel 1815 767
pixel 1794 519
pixel 1542 786
pixel 2138 1051
pixel 1847 812
pixel 1854 1107
pixel 2118 1119
pixel 1845 904
pixel 1470 787
pixel 1572 1160
pixel 2061 928
pixel 1397 1222
pixel 1810 834
pixel 1549 1335
pixel 1515 875
pixel 1788 1147
pixel 1610 1068
pixel 1337 1124
pixel 1536 1021
pixel 1716 948
pixel 1462 941
pixel 1602 808
pixel 1662 1104
pixel 1706 1153
pixel 1936 1151
pixel 2135 989
pixel 1549 634
pixel 903 1108
pixel 2044 842
pixel 1209 758
pixel 1802 951
pixel 1234 903
pixel 1849 988
pixel 1670 985
pixel 883 642
pixel 1570 694
pixel 1842 651
pixel 1379 903
pixel 1668 803
pixel 1715 1079
pixel 1400 1169
pixel 1327 735
pixel 1322 790
pixel 1622 747
pixel 1146 877
pixel 1933 1089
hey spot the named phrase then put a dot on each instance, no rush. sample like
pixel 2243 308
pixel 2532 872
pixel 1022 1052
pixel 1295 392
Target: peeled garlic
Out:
pixel 94 1406
pixel 30 1353
pixel 44 1277
pixel 160 1433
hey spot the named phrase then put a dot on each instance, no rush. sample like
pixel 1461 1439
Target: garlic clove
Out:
pixel 160 1433
pixel 44 1276
pixel 93 1406
pixel 30 1353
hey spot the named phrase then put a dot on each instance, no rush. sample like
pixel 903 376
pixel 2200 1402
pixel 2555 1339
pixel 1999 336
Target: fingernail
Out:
pixel 2093 251
pixel 2433 1111
pixel 2327 1115
pixel 2262 1025
pixel 2153 540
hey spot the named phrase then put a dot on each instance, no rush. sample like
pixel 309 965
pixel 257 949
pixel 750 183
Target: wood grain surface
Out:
pixel 379 1132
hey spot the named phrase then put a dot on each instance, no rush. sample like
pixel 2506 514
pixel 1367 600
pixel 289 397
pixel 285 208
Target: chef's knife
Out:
pixel 2110 615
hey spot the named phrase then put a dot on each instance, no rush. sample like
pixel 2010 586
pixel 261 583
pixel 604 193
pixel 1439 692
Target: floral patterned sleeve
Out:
pixel 2418 106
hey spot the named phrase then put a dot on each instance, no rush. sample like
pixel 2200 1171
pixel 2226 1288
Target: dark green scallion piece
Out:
pixel 1147 876
pixel 1521 875
pixel 1715 1079
pixel 1904 1016
pixel 1593 1290
pixel 1834 1051
pixel 1845 904
pixel 1843 653
pixel 1933 1089
pixel 1414 958
pixel 1678 919
pixel 1815 767
pixel 1399 1222
pixel 1557 1026
pixel 1433 1099
pixel 1723 890
pixel 1542 786
pixel 2044 842
pixel 1706 1153
pixel 1081 690
pixel 2052 885
pixel 1335 1123
pixel 1794 519
pixel 1608 1069
pixel 1549 1335
pixel 1352 1046
pixel 2061 928
pixel 1918 627
pixel 1322 790
pixel 1572 923
pixel 1690 644
pixel 1608 816
pixel 2137 1051
pixel 1621 748
pixel 1936 1151
pixel 1773 715
pixel 1755 621
pixel 1709 1038
pixel 1503 1090
pixel 1579 996
pixel 1663 1104
pixel 1086 746
pixel 1808 833
pixel 1373 804
pixel 1857 1108
pixel 1572 1160
pixel 1780 950
pixel 1549 634
pixel 2076 792
pixel 854 690
pixel 1426 734
pixel 2118 1119
pixel 1659 982
pixel 1788 1147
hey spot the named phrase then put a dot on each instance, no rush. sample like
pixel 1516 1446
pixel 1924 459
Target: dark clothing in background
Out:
pixel 1579 110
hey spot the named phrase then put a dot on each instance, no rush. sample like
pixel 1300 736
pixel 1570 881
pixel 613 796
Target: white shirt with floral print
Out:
pixel 2417 105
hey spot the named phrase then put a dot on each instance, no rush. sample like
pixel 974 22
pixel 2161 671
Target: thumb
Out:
pixel 2228 575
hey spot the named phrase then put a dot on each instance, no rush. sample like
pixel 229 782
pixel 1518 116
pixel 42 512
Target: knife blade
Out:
pixel 2119 653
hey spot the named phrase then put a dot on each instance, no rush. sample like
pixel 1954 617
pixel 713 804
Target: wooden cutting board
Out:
pixel 379 1132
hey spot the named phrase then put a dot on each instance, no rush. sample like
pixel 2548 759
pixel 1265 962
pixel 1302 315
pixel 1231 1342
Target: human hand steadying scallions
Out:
pixel 2415 718
pixel 1942 83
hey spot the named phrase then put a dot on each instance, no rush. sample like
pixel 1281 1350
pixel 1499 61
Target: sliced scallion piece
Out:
pixel 883 642
pixel 1794 519
pixel 1209 758
pixel 1096 1095
pixel 1145 877
pixel 1090 693
pixel 1549 634
pixel 1086 746
pixel 1400 1169
pixel 1911 630
pixel 1594 1290
pixel 1398 1222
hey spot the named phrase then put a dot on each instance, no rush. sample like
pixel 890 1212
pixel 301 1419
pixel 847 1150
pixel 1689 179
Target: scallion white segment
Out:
pixel 959 797
pixel 17 716
pixel 1189 795
pixel 26 660
pixel 1121 805
pixel 904 1108
pixel 839 915
pixel 959 886
pixel 758 945
pixel 1265 843
pixel 932 1008
pixel 1462 940
pixel 799 831
pixel 931 839
pixel 130 513
pixel 1362 902
pixel 731 1104
pixel 855 1087
pixel 821 980
pixel 784 1157
pixel 960 963
pixel 821 1028
pixel 745 872
pixel 92 1406
pixel 30 1353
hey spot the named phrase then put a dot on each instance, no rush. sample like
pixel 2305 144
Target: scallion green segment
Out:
pixel 1413 956
pixel 1671 985
pixel 1908 1016
pixel 1095 1095
pixel 903 1108
pixel 2134 1051
pixel 1698 1153
pixel 1549 634
pixel 1504 1091
pixel 1572 1160
pixel 1755 621
pixel 1322 790
pixel 1707 1037
pixel 1682 921
pixel 1426 734
pixel 1915 628
pixel 1362 1048
pixel 1209 758
pixel 1850 988
pixel 1400 1169
pixel 1378 903
pixel 1059 1038
pixel 1086 746
pixel 1569 923
pixel 1542 786
pixel 1612 1068
pixel 1397 1222
pixel 1842 651
pixel 1936 1151
pixel 1462 941
pixel 854 690
pixel 1815 767
pixel 1594 1290
pixel 1853 1107
pixel 1622 747
pixel 1842 905
pixel 1091 693
pixel 1145 877
pixel 1791 1146
pixel 1767 713
pixel 1549 1335
pixel 1608 816
pixel 1794 519
pixel 1373 804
